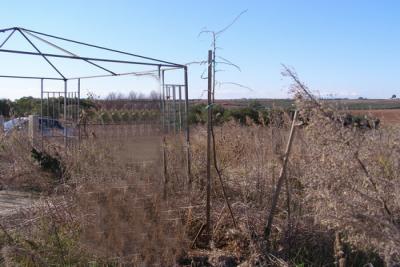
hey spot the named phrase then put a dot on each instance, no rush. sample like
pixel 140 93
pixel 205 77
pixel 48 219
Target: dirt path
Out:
pixel 12 201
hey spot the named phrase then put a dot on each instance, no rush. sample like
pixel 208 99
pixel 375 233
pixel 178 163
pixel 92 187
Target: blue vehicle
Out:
pixel 47 126
pixel 15 124
pixel 50 127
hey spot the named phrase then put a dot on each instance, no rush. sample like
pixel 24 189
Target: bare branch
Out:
pixel 230 24
pixel 229 62
pixel 290 72
pixel 203 62
pixel 236 84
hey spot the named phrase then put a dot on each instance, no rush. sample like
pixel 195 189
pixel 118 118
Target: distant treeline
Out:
pixel 133 107
pixel 32 106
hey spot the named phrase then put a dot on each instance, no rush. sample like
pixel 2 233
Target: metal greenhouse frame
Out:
pixel 160 65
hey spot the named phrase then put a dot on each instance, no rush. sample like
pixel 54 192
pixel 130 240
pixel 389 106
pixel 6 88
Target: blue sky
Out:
pixel 342 48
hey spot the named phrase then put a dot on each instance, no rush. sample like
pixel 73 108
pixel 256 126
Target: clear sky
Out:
pixel 344 48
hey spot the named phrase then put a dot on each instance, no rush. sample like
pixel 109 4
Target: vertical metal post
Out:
pixel 52 104
pixel 163 100
pixel 75 104
pixel 53 116
pixel 161 85
pixel 168 102
pixel 65 112
pixel 69 106
pixel 48 106
pixel 188 160
pixel 41 112
pixel 79 111
pixel 161 79
pixel 59 105
pixel 209 117
pixel 41 97
pixel 180 108
pixel 174 106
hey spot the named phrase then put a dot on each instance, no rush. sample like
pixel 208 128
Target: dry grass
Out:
pixel 113 210
pixel 17 168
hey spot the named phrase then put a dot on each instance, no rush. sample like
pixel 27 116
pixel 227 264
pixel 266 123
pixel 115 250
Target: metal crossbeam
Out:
pixel 105 48
pixel 8 29
pixel 82 58
pixel 8 37
pixel 41 54
pixel 24 32
pixel 30 77
pixel 68 52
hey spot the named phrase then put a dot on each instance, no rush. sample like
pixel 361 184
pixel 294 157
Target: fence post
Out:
pixel 188 159
pixel 33 128
pixel 65 113
pixel 209 117
pixel 282 174
pixel 1 124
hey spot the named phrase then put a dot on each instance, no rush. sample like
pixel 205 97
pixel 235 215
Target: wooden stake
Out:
pixel 267 230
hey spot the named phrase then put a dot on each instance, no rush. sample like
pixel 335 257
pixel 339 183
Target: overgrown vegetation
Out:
pixel 341 180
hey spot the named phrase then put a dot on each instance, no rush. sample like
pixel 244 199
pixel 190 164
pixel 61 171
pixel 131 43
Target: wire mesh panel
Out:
pixel 174 109
pixel 121 118
pixel 58 120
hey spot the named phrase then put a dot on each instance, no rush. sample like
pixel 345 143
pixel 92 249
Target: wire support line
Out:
pixel 67 52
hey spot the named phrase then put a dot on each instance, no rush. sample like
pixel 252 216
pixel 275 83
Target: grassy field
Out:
pixel 386 110
pixel 350 104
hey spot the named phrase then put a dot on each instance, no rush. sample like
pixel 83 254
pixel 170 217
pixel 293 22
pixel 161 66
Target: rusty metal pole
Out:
pixel 209 117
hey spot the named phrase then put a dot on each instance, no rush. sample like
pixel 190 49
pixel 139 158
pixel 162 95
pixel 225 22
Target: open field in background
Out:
pixel 351 104
pixel 387 110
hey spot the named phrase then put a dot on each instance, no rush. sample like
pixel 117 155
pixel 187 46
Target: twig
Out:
pixel 203 226
pixel 220 178
pixel 374 185
pixel 230 24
